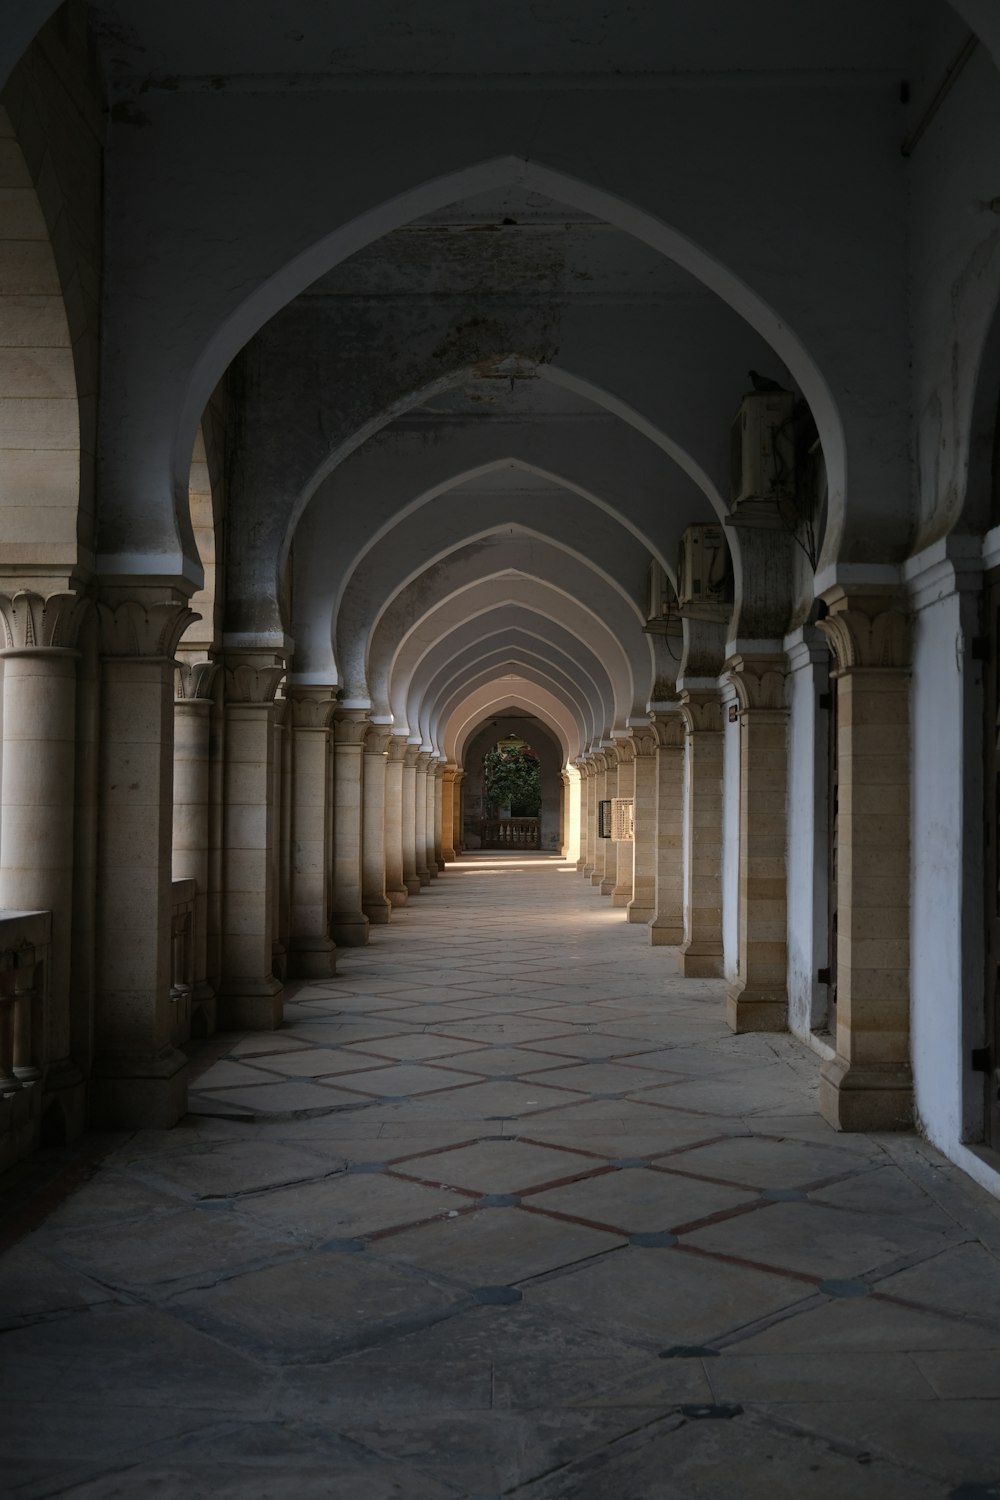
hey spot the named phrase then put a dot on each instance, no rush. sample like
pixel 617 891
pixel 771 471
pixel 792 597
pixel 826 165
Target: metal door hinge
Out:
pixel 823 976
pixel 980 1059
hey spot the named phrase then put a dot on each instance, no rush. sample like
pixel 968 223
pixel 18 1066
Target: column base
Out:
pixel 130 1091
pixel 312 958
pixel 378 911
pixel 412 883
pixel 607 887
pixel 432 871
pixel 448 857
pixel 860 1098
pixel 701 961
pixel 424 876
pixel 64 1104
pixel 636 913
pixel 620 897
pixel 398 897
pixel 349 929
pixel 596 877
pixel 279 960
pixel 440 865
pixel 755 1010
pixel 251 1005
pixel 204 1011
pixel 665 934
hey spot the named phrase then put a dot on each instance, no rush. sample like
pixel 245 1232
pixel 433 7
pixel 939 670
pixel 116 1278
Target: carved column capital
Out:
pixel 449 774
pixel 423 762
pixel 410 756
pixel 644 740
pixel 396 749
pixel 351 726
pixel 41 622
pixel 624 752
pixel 379 737
pixel 669 729
pixel 866 630
pixel 193 680
pixel 146 628
pixel 759 681
pixel 702 711
pixel 252 677
pixel 310 707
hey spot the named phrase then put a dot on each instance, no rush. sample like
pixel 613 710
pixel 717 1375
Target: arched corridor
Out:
pixel 488 1218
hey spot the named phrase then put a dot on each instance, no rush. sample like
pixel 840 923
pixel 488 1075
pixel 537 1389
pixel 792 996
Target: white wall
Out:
pixel 946 938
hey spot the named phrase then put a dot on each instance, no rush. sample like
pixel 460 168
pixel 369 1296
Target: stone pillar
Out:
pixel 281 758
pixel 666 929
pixel 312 952
pixel 564 814
pixel 609 849
pixel 600 779
pixel 430 855
pixel 37 822
pixel 701 951
pixel 395 888
pixel 642 906
pixel 589 768
pixel 438 769
pixel 757 1000
pixel 448 800
pixel 420 816
pixel 374 902
pixel 193 707
pixel 139 1077
pixel 868 1085
pixel 624 852
pixel 409 811
pixel 348 923
pixel 250 994
pixel 458 815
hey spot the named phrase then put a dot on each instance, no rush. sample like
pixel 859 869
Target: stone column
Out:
pixel 193 707
pixel 312 952
pixel 430 853
pixel 420 817
pixel 37 793
pixel 281 761
pixel 584 769
pixel 139 1077
pixel 868 1085
pixel 439 815
pixel 624 852
pixel 600 779
pixel 348 923
pixel 410 877
pixel 757 1000
pixel 374 902
pixel 642 906
pixel 250 994
pixel 564 814
pixel 395 889
pixel 458 815
pixel 609 849
pixel 590 769
pixel 448 799
pixel 701 952
pixel 666 929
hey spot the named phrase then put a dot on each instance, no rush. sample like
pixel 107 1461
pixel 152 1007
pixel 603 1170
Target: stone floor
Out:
pixel 503 1210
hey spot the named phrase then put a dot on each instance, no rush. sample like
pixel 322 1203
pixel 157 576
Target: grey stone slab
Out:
pixel 504 1166
pixel 319 1479
pixel 678 1459
pixel 240 1167
pixel 227 1074
pixel 964 1279
pixel 968 1375
pixel 77 1431
pixel 639 1201
pixel 321 1062
pixel 398 1079
pixel 871 1324
pixel 129 1357
pixel 350 1206
pixel 856 1375
pixel 955 1441
pixel 32 1287
pixel 111 1197
pixel 763 1163
pixel 258 1044
pixel 417 1046
pixel 603 1077
pixel 666 1296
pixel 497 1245
pixel 287 1098
pixel 823 1242
pixel 318 1307
pixel 189 1246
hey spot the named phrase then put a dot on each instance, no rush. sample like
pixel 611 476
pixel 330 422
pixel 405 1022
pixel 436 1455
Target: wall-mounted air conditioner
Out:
pixel 701 573
pixel 762 455
pixel 661 601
